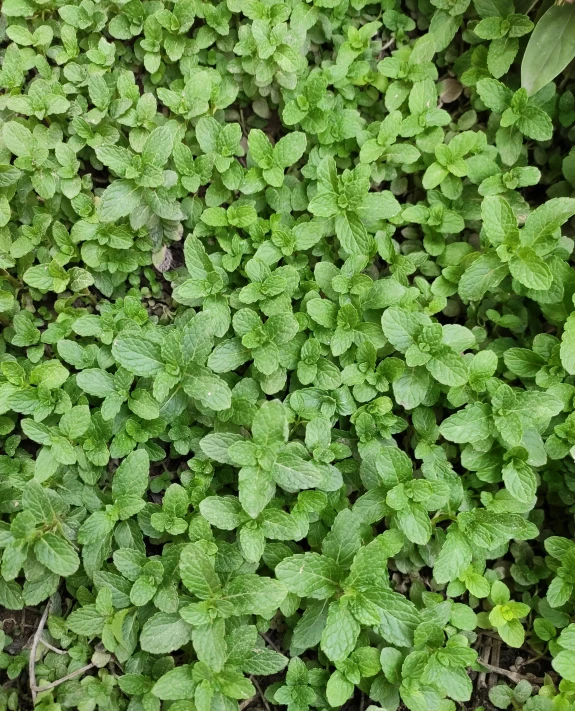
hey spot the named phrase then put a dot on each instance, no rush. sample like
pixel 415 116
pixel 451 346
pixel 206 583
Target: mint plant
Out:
pixel 287 355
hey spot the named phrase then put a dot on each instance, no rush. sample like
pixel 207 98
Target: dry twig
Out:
pixel 69 676
pixel 270 642
pixel 531 660
pixel 513 676
pixel 481 683
pixel 388 44
pixel 52 648
pixel 495 656
pixel 249 702
pixel 32 660
pixel 260 692
pixel 34 688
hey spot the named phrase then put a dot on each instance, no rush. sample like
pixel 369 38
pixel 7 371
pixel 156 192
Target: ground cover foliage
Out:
pixel 288 356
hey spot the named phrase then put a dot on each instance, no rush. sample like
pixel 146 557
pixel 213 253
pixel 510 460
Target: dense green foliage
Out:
pixel 287 370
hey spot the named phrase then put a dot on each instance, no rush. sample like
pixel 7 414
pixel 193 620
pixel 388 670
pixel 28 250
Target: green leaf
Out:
pixel 454 558
pixel 17 137
pixel 309 575
pixel 264 662
pixel 338 689
pixel 352 234
pixel 397 616
pixel 400 327
pixel 568 345
pixel 175 684
pixel 256 489
pixel 95 382
pixel 210 390
pixel 56 554
pixel 448 368
pixel 529 269
pixel 340 632
pixel 307 632
pixel 293 473
pixel 159 145
pixel 414 521
pixel 550 48
pixel 564 665
pixel 472 424
pixel 484 274
pixel 222 511
pixel 260 147
pixel 270 424
pixel 344 540
pixel 137 355
pixel 197 572
pixel 559 592
pixel 74 423
pixel 381 205
pixel 210 643
pixel 164 632
pixel 520 481
pixel 499 221
pixel 132 476
pixel 540 230
pixel 512 633
pixel 119 200
pixel 252 594
pixel 289 149
pixel 86 621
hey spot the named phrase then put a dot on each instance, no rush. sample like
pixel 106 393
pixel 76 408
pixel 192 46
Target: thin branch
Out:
pixel 487 633
pixel 486 653
pixel 269 641
pixel 513 676
pixel 247 703
pixel 495 656
pixel 532 660
pixel 261 693
pixel 494 635
pixel 531 6
pixel 5 275
pixel 69 676
pixel 52 648
pixel 388 44
pixel 32 660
